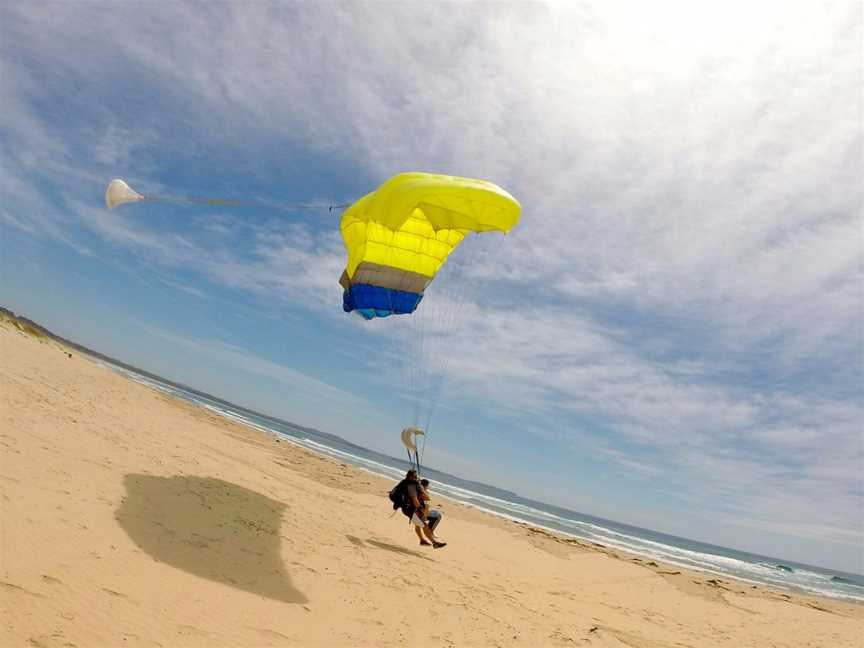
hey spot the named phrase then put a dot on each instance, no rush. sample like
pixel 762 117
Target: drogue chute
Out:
pixel 120 193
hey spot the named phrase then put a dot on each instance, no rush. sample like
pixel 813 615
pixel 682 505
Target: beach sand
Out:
pixel 128 518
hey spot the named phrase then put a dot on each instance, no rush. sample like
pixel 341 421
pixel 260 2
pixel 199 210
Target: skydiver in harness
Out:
pixel 409 496
pixel 432 517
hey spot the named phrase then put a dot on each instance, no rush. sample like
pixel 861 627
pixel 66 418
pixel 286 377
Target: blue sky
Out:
pixel 672 337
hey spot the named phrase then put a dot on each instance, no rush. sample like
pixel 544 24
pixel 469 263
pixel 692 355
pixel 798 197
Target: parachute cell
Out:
pixel 399 236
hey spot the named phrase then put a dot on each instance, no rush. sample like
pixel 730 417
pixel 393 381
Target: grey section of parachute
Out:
pixel 386 277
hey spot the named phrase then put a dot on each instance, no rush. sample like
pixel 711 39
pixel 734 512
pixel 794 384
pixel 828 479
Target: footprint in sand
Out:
pixel 18 588
pixel 272 634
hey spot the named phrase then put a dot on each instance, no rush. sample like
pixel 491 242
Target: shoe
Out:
pixel 438 545
pixel 424 543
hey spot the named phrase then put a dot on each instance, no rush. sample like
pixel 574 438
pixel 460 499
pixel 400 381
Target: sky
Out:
pixel 671 338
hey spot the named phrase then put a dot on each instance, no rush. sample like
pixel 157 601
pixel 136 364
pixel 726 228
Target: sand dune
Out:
pixel 128 518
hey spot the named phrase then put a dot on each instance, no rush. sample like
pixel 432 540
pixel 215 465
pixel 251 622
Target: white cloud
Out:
pixel 244 360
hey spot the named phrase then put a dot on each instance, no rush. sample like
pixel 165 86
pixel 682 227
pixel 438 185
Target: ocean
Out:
pixel 721 561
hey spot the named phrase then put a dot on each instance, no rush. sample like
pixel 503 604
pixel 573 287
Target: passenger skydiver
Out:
pixel 407 495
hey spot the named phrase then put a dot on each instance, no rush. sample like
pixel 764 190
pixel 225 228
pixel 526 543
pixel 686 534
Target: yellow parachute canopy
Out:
pixel 399 236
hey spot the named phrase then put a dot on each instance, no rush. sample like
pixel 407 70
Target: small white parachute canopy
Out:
pixel 409 437
pixel 119 192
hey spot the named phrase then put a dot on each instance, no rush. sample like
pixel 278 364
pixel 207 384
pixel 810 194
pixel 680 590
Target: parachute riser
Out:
pixel 414 461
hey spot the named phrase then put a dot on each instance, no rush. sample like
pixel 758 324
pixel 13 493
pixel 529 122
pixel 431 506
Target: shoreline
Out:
pixel 563 536
pixel 132 517
pixel 626 554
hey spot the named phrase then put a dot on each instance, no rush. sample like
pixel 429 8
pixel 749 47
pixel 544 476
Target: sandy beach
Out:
pixel 128 518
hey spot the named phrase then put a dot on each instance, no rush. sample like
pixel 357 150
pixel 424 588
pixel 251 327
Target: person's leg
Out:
pixel 420 524
pixel 420 535
pixel 421 529
pixel 428 533
pixel 433 519
pixel 436 544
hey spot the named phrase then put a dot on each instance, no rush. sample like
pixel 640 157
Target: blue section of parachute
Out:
pixel 373 301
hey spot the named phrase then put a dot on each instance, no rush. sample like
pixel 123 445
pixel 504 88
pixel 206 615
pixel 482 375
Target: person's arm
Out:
pixel 419 511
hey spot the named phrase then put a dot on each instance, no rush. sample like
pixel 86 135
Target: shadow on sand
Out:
pixel 387 547
pixel 210 528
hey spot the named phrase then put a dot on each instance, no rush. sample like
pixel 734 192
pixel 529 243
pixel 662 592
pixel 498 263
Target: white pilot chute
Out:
pixel 119 193
pixel 409 440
